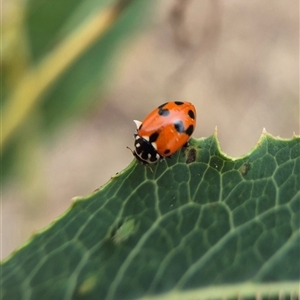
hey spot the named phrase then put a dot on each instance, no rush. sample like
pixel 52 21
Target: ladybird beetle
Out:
pixel 164 131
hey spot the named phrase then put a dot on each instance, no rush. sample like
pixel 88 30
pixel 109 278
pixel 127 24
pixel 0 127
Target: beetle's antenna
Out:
pixel 148 166
pixel 130 150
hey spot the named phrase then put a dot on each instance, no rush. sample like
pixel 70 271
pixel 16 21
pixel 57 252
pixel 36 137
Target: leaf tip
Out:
pixel 76 199
pixel 264 131
pixel 216 131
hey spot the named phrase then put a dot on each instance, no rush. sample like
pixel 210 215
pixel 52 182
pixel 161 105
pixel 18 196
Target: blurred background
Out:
pixel 66 120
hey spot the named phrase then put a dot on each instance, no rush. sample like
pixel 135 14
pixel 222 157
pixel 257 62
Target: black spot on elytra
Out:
pixel 178 102
pixel 191 114
pixel 191 156
pixel 163 112
pixel 162 105
pixel 167 151
pixel 153 137
pixel 190 130
pixel 179 126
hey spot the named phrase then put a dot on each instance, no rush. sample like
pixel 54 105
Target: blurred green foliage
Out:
pixel 44 26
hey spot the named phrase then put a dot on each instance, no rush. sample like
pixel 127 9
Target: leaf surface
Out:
pixel 201 223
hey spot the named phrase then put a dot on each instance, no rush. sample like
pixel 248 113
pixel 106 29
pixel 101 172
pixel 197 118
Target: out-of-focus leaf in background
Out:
pixel 66 55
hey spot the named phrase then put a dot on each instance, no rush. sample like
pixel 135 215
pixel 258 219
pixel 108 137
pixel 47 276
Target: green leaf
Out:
pixel 201 223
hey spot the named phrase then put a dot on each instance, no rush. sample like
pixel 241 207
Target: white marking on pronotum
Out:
pixel 137 145
pixel 154 145
pixel 137 123
pixel 157 156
